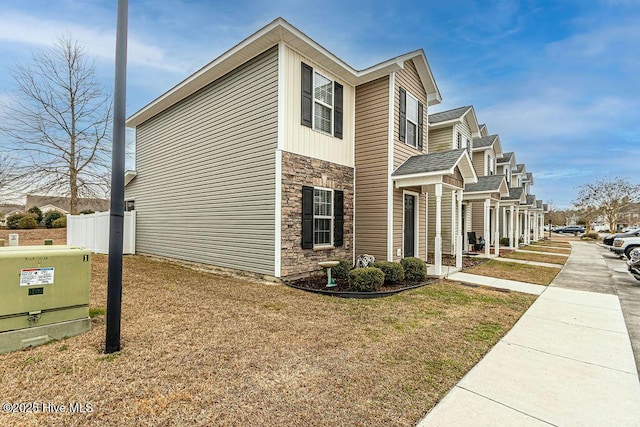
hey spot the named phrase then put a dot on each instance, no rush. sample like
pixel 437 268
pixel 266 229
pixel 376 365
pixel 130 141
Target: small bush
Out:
pixel 13 220
pixel 393 271
pixel 504 241
pixel 27 223
pixel 50 217
pixel 36 210
pixel 341 271
pixel 87 212
pixel 593 236
pixel 415 269
pixel 60 222
pixel 368 279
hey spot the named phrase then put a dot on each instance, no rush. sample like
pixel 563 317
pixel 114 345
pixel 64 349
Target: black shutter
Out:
pixel 338 218
pixel 403 114
pixel 307 217
pixel 307 95
pixel 420 124
pixel 337 110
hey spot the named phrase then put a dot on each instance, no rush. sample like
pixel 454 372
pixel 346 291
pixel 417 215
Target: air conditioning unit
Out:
pixel 45 294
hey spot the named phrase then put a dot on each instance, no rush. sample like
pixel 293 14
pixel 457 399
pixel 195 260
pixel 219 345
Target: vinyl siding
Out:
pixel 440 140
pixel 446 230
pixel 371 154
pixel 465 130
pixel 205 189
pixel 477 219
pixel 478 162
pixel 307 141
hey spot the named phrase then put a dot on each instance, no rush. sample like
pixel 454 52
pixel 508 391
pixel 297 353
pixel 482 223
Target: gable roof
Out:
pixel 488 184
pixel 506 157
pixel 531 199
pixel 539 204
pixel 64 203
pixel 456 115
pixel 529 177
pixel 443 161
pixel 483 129
pixel 445 116
pixel 5 209
pixel 519 168
pixel 279 30
pixel 515 193
pixel 484 142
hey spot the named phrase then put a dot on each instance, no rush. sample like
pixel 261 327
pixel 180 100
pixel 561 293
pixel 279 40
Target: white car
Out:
pixel 624 245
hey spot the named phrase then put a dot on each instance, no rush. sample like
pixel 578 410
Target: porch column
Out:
pixel 541 225
pixel 459 230
pixel 437 251
pixel 527 227
pixel 536 229
pixel 487 231
pixel 511 226
pixel 505 223
pixel 518 226
pixel 496 239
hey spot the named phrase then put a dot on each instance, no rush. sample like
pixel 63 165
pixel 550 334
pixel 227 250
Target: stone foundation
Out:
pixel 297 171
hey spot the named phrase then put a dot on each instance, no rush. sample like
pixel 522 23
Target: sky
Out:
pixel 557 80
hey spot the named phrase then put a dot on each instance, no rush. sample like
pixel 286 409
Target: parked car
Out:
pixel 571 229
pixel 624 245
pixel 608 239
pixel 634 263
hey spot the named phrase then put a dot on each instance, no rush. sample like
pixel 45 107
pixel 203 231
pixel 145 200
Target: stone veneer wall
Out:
pixel 297 171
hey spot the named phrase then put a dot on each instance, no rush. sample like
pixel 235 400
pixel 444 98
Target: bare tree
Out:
pixel 59 122
pixel 611 197
pixel 10 178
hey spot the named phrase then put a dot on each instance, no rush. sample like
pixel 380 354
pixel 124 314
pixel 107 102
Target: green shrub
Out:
pixel 504 241
pixel 87 212
pixel 341 271
pixel 13 220
pixel 36 210
pixel 368 279
pixel 415 269
pixel 393 271
pixel 60 222
pixel 50 217
pixel 27 222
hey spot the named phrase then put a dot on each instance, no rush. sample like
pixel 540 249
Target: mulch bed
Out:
pixel 319 283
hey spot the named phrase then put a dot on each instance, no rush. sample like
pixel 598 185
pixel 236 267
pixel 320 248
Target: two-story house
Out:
pixel 278 155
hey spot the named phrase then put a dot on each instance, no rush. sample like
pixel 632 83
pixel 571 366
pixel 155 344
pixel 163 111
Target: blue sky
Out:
pixel 557 80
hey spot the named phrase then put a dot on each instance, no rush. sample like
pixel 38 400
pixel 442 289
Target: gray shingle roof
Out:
pixel 539 204
pixel 490 183
pixel 485 141
pixel 514 194
pixel 445 116
pixel 545 207
pixel 506 157
pixel 519 168
pixel 98 205
pixel 531 199
pixel 5 209
pixel 425 163
pixel 529 176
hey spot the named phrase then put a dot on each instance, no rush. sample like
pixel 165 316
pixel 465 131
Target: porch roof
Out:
pixel 426 169
pixel 516 194
pixel 488 184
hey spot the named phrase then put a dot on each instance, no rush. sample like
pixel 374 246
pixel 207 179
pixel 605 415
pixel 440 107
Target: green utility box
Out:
pixel 44 294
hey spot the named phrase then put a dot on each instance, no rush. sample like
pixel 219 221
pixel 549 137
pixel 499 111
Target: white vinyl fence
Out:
pixel 92 232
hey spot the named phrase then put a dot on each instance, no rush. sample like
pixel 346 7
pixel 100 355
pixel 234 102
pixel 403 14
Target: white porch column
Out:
pixel 487 231
pixel 505 223
pixel 541 225
pixel 536 229
pixel 459 230
pixel 496 238
pixel 527 227
pixel 518 224
pixel 437 252
pixel 511 226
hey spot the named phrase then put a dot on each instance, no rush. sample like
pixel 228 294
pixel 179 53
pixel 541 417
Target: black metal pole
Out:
pixel 116 218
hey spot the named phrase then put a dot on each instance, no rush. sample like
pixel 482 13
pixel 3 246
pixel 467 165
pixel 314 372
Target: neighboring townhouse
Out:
pixel 63 204
pixel 278 155
pixel 7 210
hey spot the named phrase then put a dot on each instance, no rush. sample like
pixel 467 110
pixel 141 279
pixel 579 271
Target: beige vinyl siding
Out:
pixel 477 219
pixel 371 154
pixel 478 162
pixel 446 230
pixel 465 130
pixel 205 189
pixel 307 141
pixel 440 140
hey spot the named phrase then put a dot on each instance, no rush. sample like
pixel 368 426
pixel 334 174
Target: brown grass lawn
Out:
pixel 552 259
pixel 36 237
pixel 516 271
pixel 555 250
pixel 203 349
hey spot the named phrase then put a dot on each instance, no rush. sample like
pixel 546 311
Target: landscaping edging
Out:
pixel 358 295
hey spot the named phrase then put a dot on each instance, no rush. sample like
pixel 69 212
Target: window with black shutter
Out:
pixel 338 224
pixel 411 120
pixel 322 217
pixel 321 102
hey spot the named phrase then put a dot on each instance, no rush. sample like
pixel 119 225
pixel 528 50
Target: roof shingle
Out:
pixel 484 142
pixel 489 183
pixel 433 162
pixel 445 116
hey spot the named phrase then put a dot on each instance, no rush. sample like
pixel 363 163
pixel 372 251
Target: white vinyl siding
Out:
pixel 205 189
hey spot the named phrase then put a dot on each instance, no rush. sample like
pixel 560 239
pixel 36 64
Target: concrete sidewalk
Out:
pixel 567 361
pixel 524 261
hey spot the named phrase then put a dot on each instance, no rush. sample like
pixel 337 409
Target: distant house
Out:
pixel 8 210
pixel 63 204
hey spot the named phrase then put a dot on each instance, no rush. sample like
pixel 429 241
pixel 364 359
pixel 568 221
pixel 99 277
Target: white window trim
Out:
pixel 416 228
pixel 331 217
pixel 130 199
pixel 330 107
pixel 408 95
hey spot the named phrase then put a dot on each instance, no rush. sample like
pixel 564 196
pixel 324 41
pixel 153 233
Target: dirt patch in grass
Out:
pixel 203 349
pixel 36 236
pixel 551 259
pixel 556 250
pixel 516 271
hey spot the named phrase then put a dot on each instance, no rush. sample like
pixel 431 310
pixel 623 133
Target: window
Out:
pixel 129 205
pixel 508 171
pixel 459 141
pixel 411 120
pixel 322 216
pixel 491 165
pixel 321 102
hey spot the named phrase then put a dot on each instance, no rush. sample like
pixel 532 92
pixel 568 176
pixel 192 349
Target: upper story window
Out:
pixel 321 102
pixel 129 205
pixel 459 141
pixel 491 165
pixel 411 120
pixel 508 175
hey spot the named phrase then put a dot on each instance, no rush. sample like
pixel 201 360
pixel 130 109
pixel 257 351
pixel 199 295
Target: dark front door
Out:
pixel 409 225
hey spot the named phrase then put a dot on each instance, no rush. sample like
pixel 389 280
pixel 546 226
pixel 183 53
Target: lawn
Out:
pixel 204 349
pixel 551 259
pixel 515 271
pixel 555 250
pixel 555 243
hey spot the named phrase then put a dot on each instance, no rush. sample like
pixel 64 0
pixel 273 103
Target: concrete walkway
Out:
pixel 541 253
pixel 567 362
pixel 524 261
pixel 494 282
